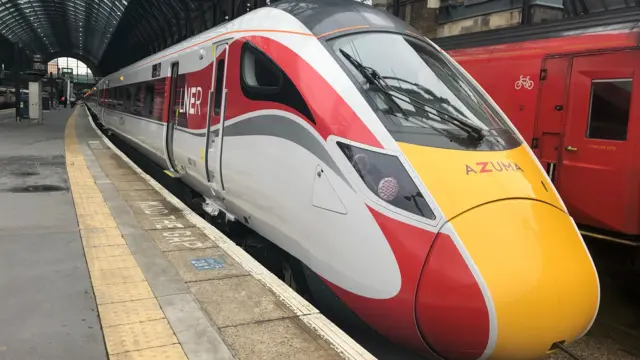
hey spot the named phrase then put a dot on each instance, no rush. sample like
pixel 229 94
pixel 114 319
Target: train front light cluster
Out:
pixel 387 178
pixel 388 188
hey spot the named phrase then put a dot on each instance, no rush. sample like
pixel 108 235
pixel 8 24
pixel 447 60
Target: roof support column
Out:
pixel 16 69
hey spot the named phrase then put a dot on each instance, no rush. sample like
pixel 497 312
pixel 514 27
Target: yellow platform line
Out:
pixel 134 325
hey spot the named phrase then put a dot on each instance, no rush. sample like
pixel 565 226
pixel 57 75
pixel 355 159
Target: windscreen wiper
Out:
pixel 368 73
pixel 464 125
pixel 373 77
pixel 433 95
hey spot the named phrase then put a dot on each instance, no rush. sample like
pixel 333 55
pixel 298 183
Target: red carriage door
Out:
pixel 105 99
pixel 551 99
pixel 596 176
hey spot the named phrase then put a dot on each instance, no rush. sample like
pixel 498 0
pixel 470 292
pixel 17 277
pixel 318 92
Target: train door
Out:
pixel 217 101
pixel 172 119
pixel 105 99
pixel 551 99
pixel 595 177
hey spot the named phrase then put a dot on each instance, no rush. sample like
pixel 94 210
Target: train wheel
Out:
pixel 293 276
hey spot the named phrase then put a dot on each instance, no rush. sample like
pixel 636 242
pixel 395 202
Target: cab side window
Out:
pixel 262 79
pixel 609 109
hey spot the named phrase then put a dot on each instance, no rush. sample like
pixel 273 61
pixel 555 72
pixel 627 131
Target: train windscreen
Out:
pixel 419 95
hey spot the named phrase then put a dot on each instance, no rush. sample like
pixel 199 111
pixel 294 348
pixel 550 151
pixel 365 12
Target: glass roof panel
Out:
pixel 77 26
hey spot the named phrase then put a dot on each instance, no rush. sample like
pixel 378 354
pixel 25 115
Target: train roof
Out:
pixel 323 17
pixel 623 20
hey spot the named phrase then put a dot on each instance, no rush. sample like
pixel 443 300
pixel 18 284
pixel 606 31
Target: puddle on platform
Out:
pixel 36 188
pixel 25 173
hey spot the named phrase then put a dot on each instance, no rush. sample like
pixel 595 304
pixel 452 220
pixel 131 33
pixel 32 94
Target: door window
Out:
pixel 609 109
pixel 218 90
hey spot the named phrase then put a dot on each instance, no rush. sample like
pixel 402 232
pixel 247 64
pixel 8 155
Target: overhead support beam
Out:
pixel 62 25
pixel 219 15
pixel 169 11
pixel 159 34
pixel 53 17
pixel 202 15
pixel 187 20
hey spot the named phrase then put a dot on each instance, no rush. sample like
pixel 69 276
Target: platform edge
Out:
pixel 306 312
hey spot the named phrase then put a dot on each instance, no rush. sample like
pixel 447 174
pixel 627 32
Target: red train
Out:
pixel 572 89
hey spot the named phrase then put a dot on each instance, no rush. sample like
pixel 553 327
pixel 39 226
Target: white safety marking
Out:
pixel 182 237
pixel 166 222
pixel 339 341
pixel 95 145
pixel 152 207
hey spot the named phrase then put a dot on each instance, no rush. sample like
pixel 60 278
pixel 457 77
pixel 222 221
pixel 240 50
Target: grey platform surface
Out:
pixel 47 309
pixel 7 115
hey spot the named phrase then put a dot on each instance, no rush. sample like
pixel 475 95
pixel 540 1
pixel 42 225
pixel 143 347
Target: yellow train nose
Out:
pixel 538 272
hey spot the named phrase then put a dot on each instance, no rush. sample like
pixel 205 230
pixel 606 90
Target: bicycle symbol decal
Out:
pixel 526 82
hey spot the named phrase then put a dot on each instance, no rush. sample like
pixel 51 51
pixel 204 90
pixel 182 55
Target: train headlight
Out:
pixel 388 188
pixel 387 178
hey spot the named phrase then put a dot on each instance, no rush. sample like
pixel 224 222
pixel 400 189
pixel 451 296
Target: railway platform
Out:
pixel 98 261
pixel 7 115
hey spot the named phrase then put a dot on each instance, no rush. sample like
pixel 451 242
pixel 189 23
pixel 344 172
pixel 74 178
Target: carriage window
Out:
pixel 136 106
pixel 263 80
pixel 218 91
pixel 158 102
pixel 609 109
pixel 120 100
pixel 112 97
pixel 148 99
pixel 127 101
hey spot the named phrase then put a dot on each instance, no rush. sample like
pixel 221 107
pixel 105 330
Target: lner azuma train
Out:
pixel 367 154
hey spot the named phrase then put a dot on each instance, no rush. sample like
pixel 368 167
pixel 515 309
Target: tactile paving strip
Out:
pixel 134 326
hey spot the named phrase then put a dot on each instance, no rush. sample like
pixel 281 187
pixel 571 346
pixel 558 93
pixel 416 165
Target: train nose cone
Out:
pixel 505 281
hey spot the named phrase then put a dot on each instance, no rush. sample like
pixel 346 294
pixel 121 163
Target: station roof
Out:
pixel 106 34
pixel 79 27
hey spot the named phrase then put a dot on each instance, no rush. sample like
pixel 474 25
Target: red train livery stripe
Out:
pixel 395 317
pixel 450 308
pixel 332 114
pixel 238 104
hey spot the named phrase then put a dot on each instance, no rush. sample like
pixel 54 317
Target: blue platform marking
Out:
pixel 207 264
